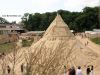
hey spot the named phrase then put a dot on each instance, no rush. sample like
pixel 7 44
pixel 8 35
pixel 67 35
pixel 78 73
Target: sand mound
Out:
pixel 59 47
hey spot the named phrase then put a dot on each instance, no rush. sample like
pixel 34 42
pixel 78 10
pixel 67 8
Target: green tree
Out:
pixel 3 21
pixel 88 19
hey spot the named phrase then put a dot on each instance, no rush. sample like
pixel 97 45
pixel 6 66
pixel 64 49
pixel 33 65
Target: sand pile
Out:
pixel 57 48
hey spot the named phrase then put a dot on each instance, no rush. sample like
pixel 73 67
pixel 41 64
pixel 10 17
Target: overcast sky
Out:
pixel 19 7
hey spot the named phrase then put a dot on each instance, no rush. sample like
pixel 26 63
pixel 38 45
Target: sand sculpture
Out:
pixel 58 48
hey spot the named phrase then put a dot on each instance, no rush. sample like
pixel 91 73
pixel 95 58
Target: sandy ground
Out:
pixel 95 48
pixel 91 45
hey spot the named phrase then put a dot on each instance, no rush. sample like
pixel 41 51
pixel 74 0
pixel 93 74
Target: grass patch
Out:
pixel 27 43
pixel 6 47
pixel 96 40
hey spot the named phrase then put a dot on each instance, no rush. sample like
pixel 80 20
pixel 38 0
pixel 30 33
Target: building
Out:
pixel 35 35
pixel 8 28
pixel 93 34
pixel 96 30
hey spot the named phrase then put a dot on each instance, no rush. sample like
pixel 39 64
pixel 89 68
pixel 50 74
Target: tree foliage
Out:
pixel 3 21
pixel 87 19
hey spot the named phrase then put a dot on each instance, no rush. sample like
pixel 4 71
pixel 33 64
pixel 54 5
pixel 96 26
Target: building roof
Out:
pixel 14 27
pixel 36 32
pixel 96 30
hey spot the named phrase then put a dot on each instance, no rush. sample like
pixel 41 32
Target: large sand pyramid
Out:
pixel 59 47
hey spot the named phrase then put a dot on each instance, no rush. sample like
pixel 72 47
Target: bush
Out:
pixel 96 40
pixel 6 47
pixel 26 43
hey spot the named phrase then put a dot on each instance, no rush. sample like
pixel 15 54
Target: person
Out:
pixel 79 71
pixel 0 55
pixel 72 71
pixel 3 54
pixel 65 70
pixel 22 67
pixel 68 71
pixel 8 69
pixel 87 42
pixel 88 70
pixel 91 73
